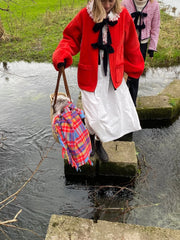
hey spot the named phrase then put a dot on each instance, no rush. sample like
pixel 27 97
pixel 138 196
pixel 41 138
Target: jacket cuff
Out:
pixel 60 57
pixel 151 53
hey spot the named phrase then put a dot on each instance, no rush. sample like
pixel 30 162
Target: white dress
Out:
pixel 109 113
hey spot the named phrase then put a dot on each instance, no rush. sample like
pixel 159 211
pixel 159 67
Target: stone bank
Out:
pixel 72 228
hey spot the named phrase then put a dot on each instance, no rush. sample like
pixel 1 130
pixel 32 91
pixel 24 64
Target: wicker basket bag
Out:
pixel 53 97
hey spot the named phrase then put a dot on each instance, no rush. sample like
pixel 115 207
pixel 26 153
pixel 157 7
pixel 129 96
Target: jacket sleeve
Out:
pixel 70 43
pixel 155 27
pixel 133 59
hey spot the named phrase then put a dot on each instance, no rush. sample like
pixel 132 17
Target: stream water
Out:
pixel 172 6
pixel 25 136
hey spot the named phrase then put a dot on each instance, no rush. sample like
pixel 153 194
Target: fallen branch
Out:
pixel 23 229
pixel 5 234
pixel 11 220
pixel 131 208
pixel 7 203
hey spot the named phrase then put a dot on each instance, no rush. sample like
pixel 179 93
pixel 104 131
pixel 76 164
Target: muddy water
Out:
pixel 25 136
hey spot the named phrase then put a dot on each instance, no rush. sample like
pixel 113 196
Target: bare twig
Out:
pixel 24 229
pixel 128 209
pixel 3 232
pixel 7 203
pixel 11 220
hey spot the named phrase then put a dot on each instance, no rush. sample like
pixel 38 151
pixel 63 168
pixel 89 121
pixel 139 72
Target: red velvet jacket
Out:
pixel 79 35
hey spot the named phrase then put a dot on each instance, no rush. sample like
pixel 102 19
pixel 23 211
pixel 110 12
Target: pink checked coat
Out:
pixel 152 21
pixel 79 35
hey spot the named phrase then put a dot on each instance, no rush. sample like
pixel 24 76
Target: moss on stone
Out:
pixel 117 169
pixel 55 224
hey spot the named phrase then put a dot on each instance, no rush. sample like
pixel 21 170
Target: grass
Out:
pixel 33 29
pixel 169 42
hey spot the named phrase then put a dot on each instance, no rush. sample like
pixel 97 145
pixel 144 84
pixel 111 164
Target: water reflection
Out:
pixel 25 135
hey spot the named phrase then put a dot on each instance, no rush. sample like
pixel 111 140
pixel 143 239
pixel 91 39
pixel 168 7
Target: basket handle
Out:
pixel 61 71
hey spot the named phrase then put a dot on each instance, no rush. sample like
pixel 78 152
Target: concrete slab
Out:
pixel 154 107
pixel 122 163
pixel 66 228
pixel 159 101
pixel 172 90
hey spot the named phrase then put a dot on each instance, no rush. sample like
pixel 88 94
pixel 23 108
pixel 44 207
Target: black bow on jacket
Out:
pixel 107 48
pixel 139 15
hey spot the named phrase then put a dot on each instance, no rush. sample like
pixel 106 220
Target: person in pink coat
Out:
pixel 104 34
pixel 146 16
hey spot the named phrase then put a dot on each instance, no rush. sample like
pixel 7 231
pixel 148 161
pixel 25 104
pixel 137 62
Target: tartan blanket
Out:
pixel 73 135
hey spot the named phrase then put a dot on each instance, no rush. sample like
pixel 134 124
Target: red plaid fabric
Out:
pixel 73 135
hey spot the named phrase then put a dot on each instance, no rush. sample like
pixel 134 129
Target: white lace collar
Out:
pixel 112 16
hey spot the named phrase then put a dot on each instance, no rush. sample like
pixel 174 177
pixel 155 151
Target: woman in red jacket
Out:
pixel 105 36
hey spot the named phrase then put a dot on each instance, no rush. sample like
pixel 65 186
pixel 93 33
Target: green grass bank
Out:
pixel 33 29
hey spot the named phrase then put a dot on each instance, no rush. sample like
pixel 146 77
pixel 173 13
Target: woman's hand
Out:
pixel 151 54
pixel 62 64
